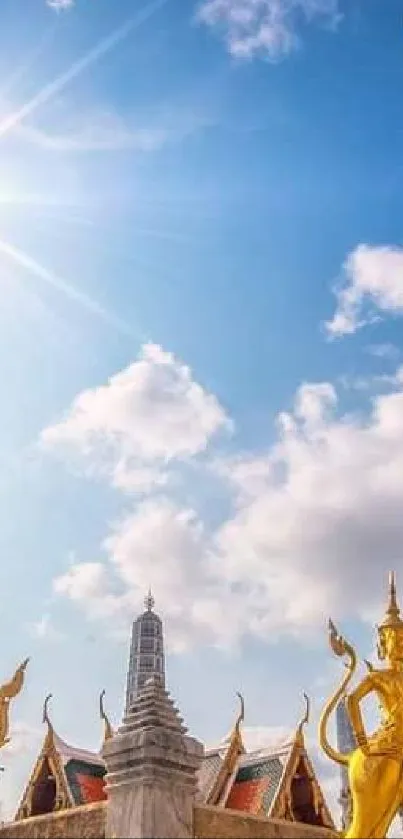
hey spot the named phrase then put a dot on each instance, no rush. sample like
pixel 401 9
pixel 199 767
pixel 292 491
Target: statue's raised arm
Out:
pixel 9 691
pixel 375 767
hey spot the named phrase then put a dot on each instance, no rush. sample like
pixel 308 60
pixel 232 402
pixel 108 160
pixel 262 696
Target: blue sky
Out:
pixel 200 348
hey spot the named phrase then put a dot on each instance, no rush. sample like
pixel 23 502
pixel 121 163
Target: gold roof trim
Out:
pixel 108 730
pixel 240 719
pixel 282 805
pixel 49 753
pixel 9 691
pixel 49 741
pixel 235 748
pixel 299 734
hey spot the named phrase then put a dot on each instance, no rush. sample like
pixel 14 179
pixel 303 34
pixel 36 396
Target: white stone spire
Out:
pixel 146 652
pixel 152 765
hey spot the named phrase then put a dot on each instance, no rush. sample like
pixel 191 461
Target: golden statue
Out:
pixel 7 692
pixel 375 767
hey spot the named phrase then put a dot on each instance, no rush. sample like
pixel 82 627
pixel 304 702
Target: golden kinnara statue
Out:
pixel 375 767
pixel 7 692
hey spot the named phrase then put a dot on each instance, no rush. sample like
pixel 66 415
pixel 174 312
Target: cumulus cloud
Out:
pixel 333 517
pixel 372 283
pixel 165 546
pixel 267 28
pixel 248 474
pixel 309 527
pixel 88 584
pixel 147 416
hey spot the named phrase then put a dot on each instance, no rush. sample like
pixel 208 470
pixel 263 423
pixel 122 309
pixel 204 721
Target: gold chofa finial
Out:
pixel 9 691
pixel 46 719
pixel 236 745
pixel 392 617
pixel 304 721
pixel 241 715
pixel 45 713
pixel 108 730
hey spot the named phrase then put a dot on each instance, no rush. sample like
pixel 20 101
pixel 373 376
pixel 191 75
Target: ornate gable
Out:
pixel 299 797
pixel 257 781
pixel 63 776
pixel 47 789
pixel 280 782
pixel 219 764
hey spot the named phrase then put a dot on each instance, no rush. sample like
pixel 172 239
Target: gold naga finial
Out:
pixel 241 715
pixel 108 730
pixel 236 736
pixel 9 691
pixel 46 719
pixel 45 713
pixel 299 735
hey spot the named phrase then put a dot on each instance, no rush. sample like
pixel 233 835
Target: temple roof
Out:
pixel 257 770
pixel 63 776
pixel 263 739
pixel 271 775
pixel 67 753
pixel 210 768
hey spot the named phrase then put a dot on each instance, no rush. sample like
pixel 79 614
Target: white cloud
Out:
pixel 60 5
pixel 333 517
pixel 383 351
pixel 372 282
pixel 148 415
pixel 248 474
pixel 105 130
pixel 40 628
pixel 43 629
pixel 268 28
pixel 22 737
pixel 87 584
pixel 369 383
pixel 314 524
pixel 166 547
pixel 110 135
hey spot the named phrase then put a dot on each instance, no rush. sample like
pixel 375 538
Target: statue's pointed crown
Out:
pixel 392 619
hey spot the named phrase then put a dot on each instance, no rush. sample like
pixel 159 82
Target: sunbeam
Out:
pixel 85 301
pixel 24 69
pixel 58 84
